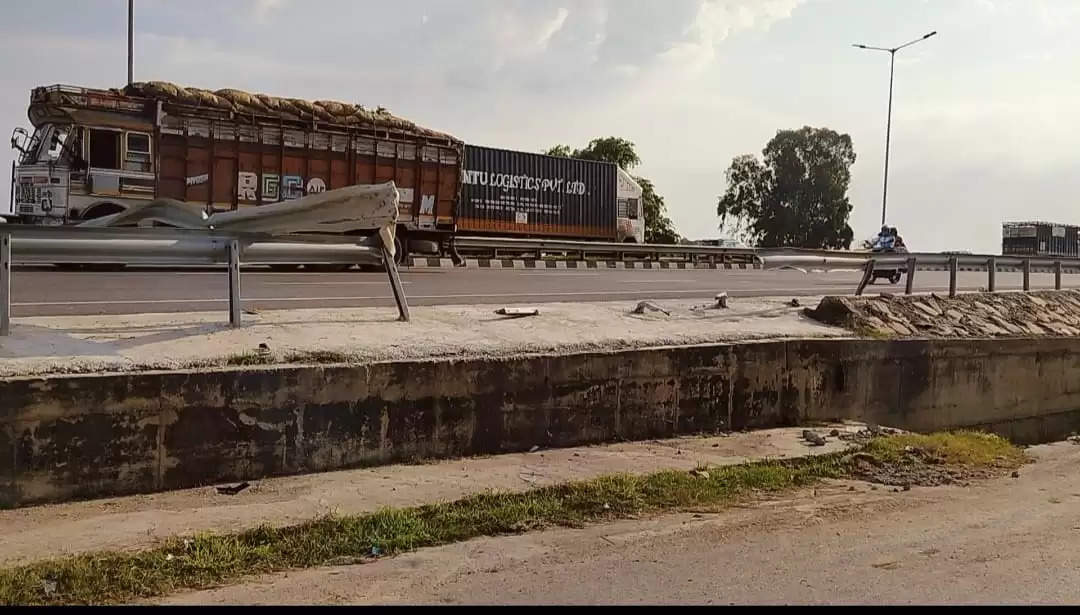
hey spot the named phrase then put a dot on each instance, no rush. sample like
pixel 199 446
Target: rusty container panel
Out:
pixel 260 168
pixel 522 193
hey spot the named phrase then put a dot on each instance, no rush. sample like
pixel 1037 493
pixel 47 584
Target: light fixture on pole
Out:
pixel 888 123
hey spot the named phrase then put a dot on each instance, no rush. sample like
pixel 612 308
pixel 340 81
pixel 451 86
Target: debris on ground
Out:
pixel 1015 474
pixel 700 473
pixel 1075 439
pixel 835 433
pixel 644 306
pixel 721 301
pixel 794 303
pixel 233 489
pixel 534 449
pixel 264 348
pixel 814 438
pixel 1031 314
pixel 518 312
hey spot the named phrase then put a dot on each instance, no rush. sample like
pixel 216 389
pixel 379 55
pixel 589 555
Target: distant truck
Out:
pixel 1040 239
pixel 96 152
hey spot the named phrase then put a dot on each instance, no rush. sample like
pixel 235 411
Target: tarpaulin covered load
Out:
pixel 287 108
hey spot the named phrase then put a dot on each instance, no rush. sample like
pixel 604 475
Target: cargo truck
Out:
pixel 1040 239
pixel 97 152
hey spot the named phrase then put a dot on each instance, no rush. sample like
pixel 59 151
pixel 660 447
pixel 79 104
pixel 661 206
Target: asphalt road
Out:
pixel 46 291
pixel 1005 541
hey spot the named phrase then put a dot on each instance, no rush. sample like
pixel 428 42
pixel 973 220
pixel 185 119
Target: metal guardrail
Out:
pixel 911 263
pixel 540 247
pixel 27 244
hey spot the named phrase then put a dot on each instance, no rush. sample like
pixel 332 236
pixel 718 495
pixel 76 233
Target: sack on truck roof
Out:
pixel 229 99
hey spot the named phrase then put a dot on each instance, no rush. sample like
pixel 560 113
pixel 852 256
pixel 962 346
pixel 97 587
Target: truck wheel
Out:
pixel 401 248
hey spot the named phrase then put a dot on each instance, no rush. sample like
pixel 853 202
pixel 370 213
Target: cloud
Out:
pixel 262 9
pixel 716 20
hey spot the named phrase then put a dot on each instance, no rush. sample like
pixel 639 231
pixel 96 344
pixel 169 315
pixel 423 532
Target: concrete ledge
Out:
pixel 66 437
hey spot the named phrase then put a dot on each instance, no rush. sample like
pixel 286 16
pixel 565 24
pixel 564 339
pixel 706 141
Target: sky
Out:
pixel 986 115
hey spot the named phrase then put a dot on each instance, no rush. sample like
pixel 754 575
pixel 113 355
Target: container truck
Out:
pixel 1040 239
pixel 96 152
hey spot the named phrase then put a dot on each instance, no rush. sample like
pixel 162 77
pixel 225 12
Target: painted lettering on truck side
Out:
pixel 507 181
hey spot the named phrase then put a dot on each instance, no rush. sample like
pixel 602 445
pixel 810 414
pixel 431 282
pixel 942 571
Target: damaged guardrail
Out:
pixel 268 235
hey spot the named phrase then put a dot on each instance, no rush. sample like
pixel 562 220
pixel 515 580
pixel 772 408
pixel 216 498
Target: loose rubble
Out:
pixel 969 315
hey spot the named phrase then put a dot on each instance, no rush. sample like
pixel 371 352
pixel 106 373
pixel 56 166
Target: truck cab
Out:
pixel 81 164
pixel 631 216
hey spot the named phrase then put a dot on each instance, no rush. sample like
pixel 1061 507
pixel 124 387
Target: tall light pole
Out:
pixel 131 40
pixel 888 122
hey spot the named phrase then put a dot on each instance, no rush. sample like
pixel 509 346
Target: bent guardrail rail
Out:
pixel 360 207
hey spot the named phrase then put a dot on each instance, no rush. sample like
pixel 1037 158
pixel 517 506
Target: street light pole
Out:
pixel 888 122
pixel 131 40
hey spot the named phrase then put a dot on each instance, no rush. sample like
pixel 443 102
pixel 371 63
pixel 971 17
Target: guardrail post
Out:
pixel 5 284
pixel 234 283
pixel 868 273
pixel 953 265
pixel 1057 275
pixel 395 285
pixel 1027 274
pixel 991 274
pixel 910 282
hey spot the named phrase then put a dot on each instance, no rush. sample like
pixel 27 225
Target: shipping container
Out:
pixel 1040 239
pixel 521 193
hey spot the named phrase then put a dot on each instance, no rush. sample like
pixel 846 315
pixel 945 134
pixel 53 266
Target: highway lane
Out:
pixel 45 291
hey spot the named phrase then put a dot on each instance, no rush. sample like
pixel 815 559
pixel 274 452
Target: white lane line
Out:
pixel 383 283
pixel 583 274
pixel 779 292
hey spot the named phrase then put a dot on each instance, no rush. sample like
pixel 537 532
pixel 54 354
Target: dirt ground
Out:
pixel 145 520
pixel 79 344
pixel 1005 540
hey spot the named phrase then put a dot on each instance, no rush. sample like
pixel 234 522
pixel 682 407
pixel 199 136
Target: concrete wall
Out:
pixel 67 437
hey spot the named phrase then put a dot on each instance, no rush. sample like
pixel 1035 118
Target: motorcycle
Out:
pixel 888 246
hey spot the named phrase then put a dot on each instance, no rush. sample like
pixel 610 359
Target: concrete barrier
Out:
pixel 79 436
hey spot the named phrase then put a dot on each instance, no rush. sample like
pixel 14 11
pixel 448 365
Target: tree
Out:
pixel 797 195
pixel 658 227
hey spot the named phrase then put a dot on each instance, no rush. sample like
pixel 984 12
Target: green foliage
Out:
pixel 797 195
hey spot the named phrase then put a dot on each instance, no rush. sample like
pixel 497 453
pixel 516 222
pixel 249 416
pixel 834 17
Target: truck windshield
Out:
pixel 30 152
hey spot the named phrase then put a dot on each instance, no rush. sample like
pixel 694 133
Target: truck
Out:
pixel 97 152
pixel 1037 238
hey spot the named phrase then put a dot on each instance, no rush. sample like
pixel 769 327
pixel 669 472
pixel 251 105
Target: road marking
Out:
pixel 383 283
pixel 655 280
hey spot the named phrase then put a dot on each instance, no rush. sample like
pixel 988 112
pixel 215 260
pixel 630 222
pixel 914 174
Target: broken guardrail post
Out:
pixel 953 265
pixel 234 283
pixel 868 273
pixel 5 284
pixel 1027 274
pixel 395 285
pixel 991 274
pixel 910 282
pixel 1057 275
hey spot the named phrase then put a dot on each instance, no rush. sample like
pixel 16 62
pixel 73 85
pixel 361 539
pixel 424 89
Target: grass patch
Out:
pixel 249 358
pixel 961 448
pixel 209 560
